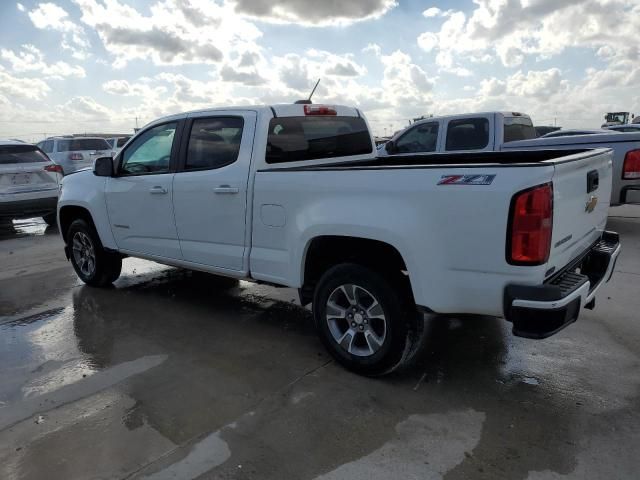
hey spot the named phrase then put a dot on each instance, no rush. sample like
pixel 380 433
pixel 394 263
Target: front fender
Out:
pixel 86 190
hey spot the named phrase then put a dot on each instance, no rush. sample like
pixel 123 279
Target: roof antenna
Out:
pixel 308 100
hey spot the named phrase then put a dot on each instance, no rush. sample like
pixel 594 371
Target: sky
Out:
pixel 74 66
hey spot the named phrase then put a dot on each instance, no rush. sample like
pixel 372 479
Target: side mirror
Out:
pixel 103 167
pixel 390 147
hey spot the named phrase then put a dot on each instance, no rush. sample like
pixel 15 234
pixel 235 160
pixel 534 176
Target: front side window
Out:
pixel 468 134
pixel 294 139
pixel 150 152
pixel 421 138
pixel 214 142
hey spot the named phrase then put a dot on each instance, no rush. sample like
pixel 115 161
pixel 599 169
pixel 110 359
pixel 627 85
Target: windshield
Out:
pixel 518 128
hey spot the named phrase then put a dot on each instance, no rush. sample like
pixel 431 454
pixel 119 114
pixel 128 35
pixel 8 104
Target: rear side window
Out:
pixel 518 128
pixel 214 142
pixel 79 144
pixel 294 139
pixel 12 154
pixel 468 134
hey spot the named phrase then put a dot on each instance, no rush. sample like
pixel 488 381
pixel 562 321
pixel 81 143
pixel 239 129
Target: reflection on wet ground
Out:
pixel 172 374
pixel 23 228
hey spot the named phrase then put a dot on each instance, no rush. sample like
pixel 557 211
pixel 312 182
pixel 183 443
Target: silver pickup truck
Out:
pixel 511 131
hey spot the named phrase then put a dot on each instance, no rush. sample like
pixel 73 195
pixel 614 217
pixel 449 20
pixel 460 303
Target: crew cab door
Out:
pixel 139 196
pixel 210 188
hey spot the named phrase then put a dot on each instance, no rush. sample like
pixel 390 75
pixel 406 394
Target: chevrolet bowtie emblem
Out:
pixel 591 204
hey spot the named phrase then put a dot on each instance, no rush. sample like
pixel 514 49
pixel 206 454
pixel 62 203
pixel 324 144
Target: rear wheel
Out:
pixel 365 322
pixel 93 264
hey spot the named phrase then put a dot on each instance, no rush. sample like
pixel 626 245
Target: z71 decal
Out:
pixel 466 179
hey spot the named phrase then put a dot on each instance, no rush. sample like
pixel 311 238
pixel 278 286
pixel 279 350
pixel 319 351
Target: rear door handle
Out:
pixel 226 189
pixel 157 190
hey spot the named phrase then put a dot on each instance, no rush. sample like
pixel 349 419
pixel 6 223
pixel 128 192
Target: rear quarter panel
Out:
pixel 452 237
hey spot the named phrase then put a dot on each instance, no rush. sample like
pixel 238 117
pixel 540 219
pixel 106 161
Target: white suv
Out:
pixel 28 183
pixel 75 153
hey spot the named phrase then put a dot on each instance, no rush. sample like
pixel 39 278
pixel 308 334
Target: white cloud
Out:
pixel 432 12
pixel 49 16
pixel 31 59
pixel 314 12
pixel 515 29
pixel 20 87
pixel 175 32
pixel 83 109
pixel 20 7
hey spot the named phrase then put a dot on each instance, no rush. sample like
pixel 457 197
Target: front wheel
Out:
pixel 365 322
pixel 94 265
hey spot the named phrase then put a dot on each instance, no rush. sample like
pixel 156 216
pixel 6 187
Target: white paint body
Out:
pixel 452 238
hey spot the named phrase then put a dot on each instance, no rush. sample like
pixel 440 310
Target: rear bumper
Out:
pixel 28 208
pixel 543 310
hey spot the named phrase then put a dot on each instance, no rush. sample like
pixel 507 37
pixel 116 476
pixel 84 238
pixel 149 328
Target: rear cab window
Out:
pixel 81 144
pixel 294 139
pixel 467 134
pixel 17 154
pixel 518 128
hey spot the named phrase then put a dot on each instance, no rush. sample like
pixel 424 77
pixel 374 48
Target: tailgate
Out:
pixel 582 192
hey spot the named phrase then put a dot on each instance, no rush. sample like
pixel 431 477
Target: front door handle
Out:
pixel 157 190
pixel 226 189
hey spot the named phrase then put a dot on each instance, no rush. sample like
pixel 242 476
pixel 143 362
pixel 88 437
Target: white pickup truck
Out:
pixel 293 195
pixel 502 131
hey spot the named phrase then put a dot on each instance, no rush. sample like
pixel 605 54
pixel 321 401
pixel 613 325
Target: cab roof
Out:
pixel 279 110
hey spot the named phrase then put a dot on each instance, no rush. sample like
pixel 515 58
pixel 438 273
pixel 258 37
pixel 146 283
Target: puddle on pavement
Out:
pixel 24 228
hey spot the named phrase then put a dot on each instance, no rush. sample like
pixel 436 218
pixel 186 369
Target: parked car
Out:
pixel 628 128
pixel 294 196
pixel 573 132
pixel 501 131
pixel 28 183
pixel 75 153
pixel 116 143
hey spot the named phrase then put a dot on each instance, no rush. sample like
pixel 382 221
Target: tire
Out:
pixel 99 268
pixel 382 338
pixel 50 219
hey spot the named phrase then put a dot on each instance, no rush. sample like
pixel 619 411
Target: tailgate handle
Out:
pixel 592 181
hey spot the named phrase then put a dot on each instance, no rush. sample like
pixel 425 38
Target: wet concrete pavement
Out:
pixel 172 375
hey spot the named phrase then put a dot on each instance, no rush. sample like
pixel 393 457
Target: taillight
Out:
pixel 319 110
pixel 530 226
pixel 76 156
pixel 54 168
pixel 631 169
